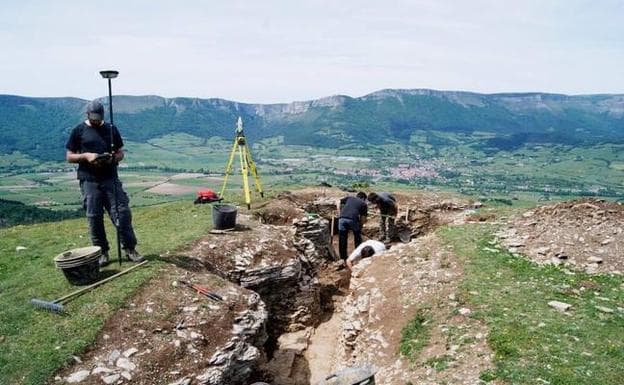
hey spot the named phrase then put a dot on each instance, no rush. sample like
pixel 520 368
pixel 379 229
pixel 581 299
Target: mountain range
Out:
pixel 40 126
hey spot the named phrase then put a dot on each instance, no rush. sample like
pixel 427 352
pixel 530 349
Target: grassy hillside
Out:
pixel 532 343
pixel 35 343
pixel 37 126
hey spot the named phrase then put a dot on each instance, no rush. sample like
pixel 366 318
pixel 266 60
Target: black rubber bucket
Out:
pixel 80 266
pixel 83 274
pixel 224 217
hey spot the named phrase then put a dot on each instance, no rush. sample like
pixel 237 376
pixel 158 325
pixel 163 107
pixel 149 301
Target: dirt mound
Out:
pixel 584 234
pixel 280 211
pixel 421 213
pixel 291 205
pixel 250 247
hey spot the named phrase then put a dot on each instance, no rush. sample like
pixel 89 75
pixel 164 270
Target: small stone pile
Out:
pixel 117 368
pixel 173 335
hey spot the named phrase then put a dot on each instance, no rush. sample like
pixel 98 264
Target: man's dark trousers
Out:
pixel 344 225
pixel 100 196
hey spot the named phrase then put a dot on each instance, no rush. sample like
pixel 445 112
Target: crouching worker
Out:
pixel 89 145
pixel 388 209
pixel 365 250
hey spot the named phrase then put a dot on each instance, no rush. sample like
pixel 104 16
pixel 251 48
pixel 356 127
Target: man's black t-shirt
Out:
pixel 387 203
pixel 85 138
pixel 353 208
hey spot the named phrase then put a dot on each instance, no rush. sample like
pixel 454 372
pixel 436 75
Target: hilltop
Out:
pixel 452 305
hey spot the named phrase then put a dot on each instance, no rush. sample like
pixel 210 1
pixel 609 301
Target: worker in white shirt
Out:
pixel 365 249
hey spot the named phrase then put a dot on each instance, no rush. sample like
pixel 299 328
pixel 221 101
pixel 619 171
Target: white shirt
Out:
pixel 356 255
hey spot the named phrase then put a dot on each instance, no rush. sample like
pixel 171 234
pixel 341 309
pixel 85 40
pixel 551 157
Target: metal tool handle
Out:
pixel 98 283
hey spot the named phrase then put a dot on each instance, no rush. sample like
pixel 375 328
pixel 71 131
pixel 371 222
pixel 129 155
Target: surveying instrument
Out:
pixel 246 161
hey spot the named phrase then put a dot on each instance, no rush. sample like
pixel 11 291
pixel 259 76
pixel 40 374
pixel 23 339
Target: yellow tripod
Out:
pixel 246 161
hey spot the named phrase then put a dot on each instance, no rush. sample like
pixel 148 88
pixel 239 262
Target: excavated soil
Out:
pixel 253 246
pixel 280 211
pixel 167 331
pixel 584 234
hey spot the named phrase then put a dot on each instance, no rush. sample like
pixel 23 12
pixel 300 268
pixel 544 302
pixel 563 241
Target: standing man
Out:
pixel 388 209
pixel 353 212
pixel 88 145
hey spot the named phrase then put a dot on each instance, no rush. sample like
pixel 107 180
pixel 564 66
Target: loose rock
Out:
pixel 182 381
pixel 78 376
pixel 113 356
pixel 101 369
pixel 464 311
pixel 125 363
pixel 560 306
pixel 130 352
pixel 111 379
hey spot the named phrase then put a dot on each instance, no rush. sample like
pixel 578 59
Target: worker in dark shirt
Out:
pixel 89 145
pixel 353 212
pixel 388 209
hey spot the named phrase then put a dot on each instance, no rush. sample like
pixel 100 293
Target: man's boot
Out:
pixel 104 260
pixel 133 255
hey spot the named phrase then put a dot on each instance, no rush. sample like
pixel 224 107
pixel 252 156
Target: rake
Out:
pixel 56 306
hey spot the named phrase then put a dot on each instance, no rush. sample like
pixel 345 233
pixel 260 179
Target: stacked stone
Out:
pixel 239 357
pixel 313 240
pixel 257 278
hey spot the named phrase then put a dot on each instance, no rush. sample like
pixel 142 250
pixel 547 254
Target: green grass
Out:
pixel 415 335
pixel 531 340
pixel 439 363
pixel 33 343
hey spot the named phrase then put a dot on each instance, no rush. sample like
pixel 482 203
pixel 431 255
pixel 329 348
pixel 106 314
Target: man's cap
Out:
pixel 95 110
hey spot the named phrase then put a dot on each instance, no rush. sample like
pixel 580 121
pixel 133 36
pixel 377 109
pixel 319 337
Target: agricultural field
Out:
pixel 173 167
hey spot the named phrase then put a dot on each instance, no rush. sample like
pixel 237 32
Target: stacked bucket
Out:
pixel 80 266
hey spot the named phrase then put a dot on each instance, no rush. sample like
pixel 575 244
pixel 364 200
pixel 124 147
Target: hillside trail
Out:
pixel 386 293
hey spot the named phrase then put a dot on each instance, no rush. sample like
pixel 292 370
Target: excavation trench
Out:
pixel 284 253
pixel 288 315
pixel 292 268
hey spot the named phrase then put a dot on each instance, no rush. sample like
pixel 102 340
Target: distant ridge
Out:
pixel 39 126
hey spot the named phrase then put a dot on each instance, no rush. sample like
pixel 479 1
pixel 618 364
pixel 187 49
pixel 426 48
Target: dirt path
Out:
pixel 321 352
pixel 386 293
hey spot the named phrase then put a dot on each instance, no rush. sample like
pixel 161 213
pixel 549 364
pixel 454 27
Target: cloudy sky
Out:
pixel 280 51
